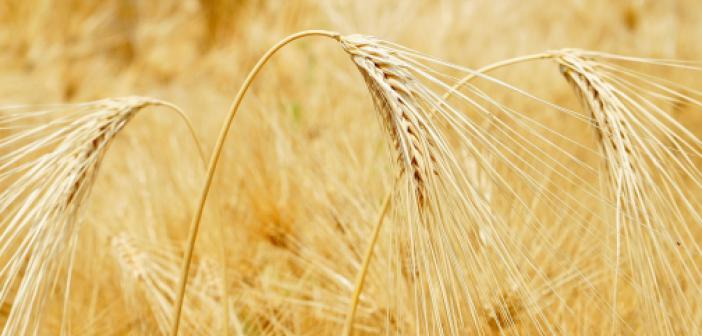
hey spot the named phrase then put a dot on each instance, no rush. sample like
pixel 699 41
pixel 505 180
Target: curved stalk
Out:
pixel 222 246
pixel 490 67
pixel 214 160
pixel 191 129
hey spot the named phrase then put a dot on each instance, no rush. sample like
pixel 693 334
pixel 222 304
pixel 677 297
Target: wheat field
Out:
pixel 240 167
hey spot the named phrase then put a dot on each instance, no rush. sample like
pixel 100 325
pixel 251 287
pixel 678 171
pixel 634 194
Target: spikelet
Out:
pixel 436 256
pixel 48 162
pixel 607 113
pixel 653 181
pixel 392 87
pixel 150 272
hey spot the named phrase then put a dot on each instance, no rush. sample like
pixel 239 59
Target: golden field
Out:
pixel 554 193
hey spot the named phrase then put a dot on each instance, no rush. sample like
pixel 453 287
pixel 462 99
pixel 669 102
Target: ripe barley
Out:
pixel 606 111
pixel 48 170
pixel 437 261
pixel 151 273
pixel 646 183
pixel 392 87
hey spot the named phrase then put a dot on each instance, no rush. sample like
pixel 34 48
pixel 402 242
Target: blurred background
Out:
pixel 85 50
pixel 306 152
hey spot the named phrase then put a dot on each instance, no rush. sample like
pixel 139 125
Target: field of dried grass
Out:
pixel 435 168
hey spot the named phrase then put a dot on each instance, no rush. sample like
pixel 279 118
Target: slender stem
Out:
pixel 361 276
pixel 214 160
pixel 488 68
pixel 191 129
pixel 222 246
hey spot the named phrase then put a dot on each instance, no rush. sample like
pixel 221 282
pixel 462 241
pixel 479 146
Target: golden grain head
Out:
pixel 390 84
pixel 55 167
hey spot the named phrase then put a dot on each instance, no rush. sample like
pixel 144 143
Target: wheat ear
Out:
pixel 650 201
pixel 650 163
pixel 613 134
pixel 152 271
pixel 358 288
pixel 389 82
pixel 48 170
